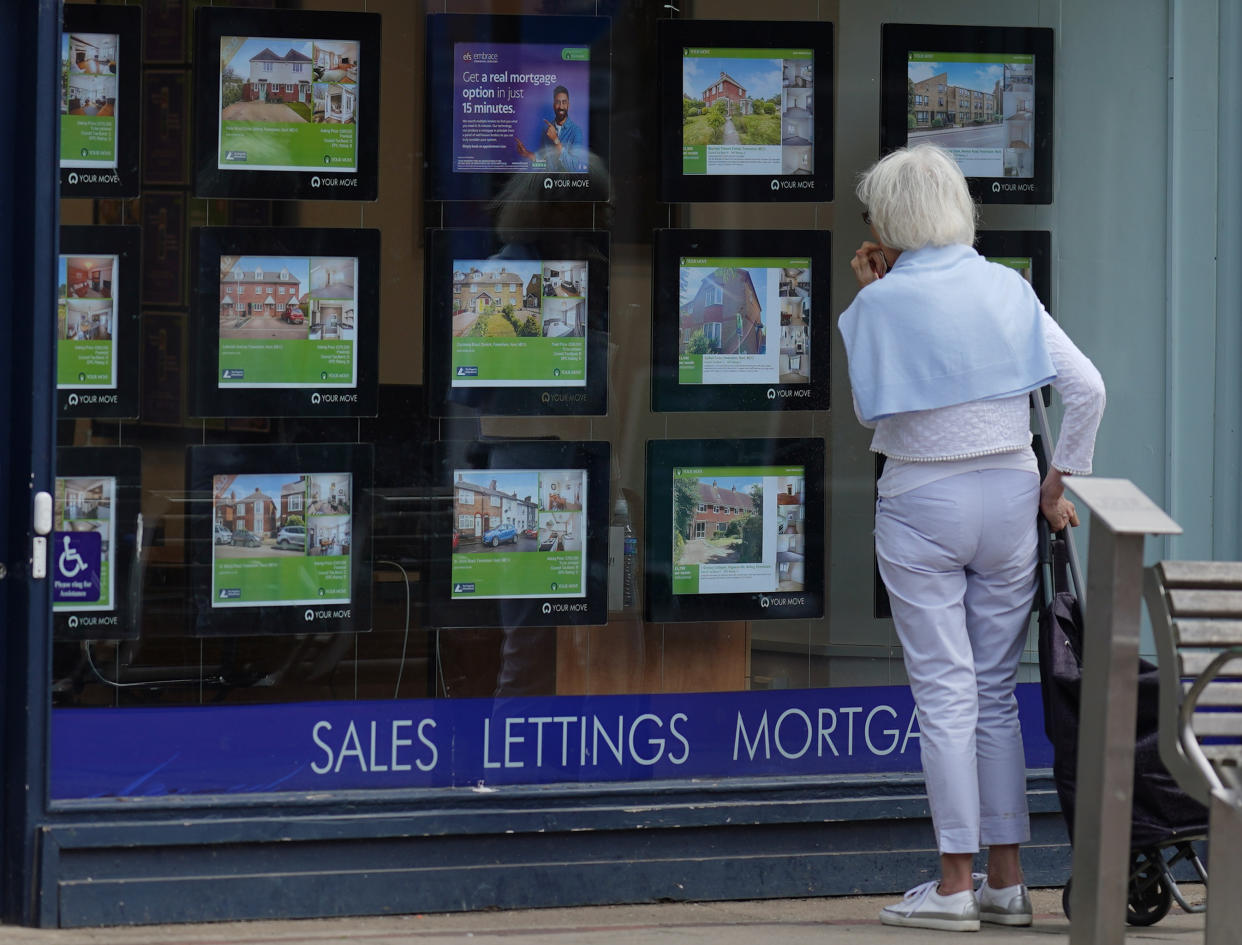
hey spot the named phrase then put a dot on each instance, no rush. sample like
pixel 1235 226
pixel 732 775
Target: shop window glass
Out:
pixel 375 706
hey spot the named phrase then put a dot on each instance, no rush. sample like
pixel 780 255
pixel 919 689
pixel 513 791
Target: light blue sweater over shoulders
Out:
pixel 943 327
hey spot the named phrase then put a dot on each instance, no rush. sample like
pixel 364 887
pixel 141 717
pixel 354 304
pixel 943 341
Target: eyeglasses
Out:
pixel 866 217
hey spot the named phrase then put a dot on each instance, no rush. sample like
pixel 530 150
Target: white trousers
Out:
pixel 959 558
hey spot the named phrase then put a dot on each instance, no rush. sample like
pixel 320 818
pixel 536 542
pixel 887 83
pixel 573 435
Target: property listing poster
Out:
pixel 744 320
pixel 288 321
pixel 519 533
pixel 86 322
pixel 288 104
pixel 88 104
pixel 520 107
pixel 747 111
pixel 281 539
pixel 519 323
pixel 738 529
pixel 1019 264
pixel 82 544
pixel 978 106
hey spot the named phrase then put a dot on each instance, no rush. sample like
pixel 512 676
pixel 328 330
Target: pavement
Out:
pixel 826 921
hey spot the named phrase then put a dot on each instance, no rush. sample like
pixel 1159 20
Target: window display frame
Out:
pixel 674 37
pixel 203 463
pixel 898 40
pixel 214 23
pixel 1035 244
pixel 444 31
pixel 126 181
pixel 589 609
pixel 208 397
pixel 122 400
pixel 661 604
pixel 669 248
pixel 123 464
pixel 444 248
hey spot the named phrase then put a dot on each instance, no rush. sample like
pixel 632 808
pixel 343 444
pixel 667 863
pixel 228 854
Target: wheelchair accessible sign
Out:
pixel 77 574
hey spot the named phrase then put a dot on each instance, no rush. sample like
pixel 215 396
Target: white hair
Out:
pixel 918 197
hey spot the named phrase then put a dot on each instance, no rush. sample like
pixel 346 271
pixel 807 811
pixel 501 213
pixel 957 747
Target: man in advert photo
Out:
pixel 558 140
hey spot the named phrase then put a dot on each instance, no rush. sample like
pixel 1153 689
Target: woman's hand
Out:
pixel 1058 510
pixel 869 263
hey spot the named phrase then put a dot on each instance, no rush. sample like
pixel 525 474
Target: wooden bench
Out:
pixel 1196 615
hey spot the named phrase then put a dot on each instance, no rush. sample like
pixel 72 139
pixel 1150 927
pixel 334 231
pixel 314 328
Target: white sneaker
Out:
pixel 924 908
pixel 1008 906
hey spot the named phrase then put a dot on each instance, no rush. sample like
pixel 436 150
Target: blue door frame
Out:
pixel 29 215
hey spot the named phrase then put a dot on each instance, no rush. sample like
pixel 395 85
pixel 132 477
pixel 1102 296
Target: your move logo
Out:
pixel 765 602
pixel 73 622
pixel 317 181
pixel 551 608
pixel 308 615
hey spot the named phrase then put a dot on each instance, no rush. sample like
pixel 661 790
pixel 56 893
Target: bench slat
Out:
pixel 1205 603
pixel 1194 662
pixel 1208 632
pixel 1218 754
pixel 1221 693
pixel 1217 723
pixel 1201 574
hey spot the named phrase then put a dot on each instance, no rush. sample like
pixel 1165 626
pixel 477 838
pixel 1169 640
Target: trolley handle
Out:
pixel 1066 534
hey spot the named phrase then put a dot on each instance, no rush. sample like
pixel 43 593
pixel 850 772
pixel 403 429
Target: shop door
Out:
pixel 29 216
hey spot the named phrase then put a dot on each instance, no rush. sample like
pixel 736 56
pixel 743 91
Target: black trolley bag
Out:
pixel 1165 821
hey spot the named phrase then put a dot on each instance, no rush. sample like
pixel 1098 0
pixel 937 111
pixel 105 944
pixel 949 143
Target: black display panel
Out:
pixel 286 104
pixel 522 534
pixel 745 110
pixel 985 93
pixel 94 544
pixel 101 72
pixel 280 538
pixel 735 529
pixel 97 321
pixel 285 322
pixel 517 106
pixel 733 322
pixel 1028 252
pixel 518 326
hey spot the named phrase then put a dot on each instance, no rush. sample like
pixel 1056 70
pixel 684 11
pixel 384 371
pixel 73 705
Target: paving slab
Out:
pixel 849 920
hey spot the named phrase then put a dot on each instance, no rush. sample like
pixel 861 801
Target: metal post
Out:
pixel 1121 517
pixel 1224 912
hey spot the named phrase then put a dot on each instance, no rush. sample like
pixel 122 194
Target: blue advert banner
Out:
pixel 326 746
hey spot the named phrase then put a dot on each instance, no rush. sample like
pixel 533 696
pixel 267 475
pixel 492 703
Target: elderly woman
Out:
pixel 944 348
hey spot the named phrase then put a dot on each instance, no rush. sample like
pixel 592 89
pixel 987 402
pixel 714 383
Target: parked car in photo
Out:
pixel 530 533
pixel 456 539
pixel 495 536
pixel 247 539
pixel 292 537
pixel 222 536
pixel 293 315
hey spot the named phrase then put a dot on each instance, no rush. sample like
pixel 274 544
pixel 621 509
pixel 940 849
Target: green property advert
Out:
pixel 518 574
pixel 288 321
pixel 88 99
pixel 84 364
pixel 280 146
pixel 86 316
pixel 87 141
pixel 542 361
pixel 288 104
pixel 248 582
pixel 286 363
pixel 519 322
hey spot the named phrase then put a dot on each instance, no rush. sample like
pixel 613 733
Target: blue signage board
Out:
pixel 77 577
pixel 327 746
